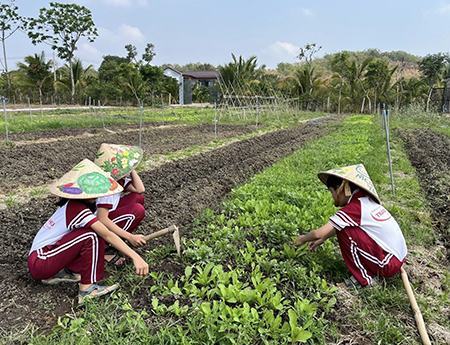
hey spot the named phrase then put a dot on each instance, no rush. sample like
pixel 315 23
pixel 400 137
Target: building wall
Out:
pixel 446 105
pixel 188 85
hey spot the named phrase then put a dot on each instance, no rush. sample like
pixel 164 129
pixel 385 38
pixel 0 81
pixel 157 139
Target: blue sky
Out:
pixel 210 30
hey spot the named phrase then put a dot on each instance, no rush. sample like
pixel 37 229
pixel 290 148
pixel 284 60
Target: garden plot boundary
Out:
pixel 176 192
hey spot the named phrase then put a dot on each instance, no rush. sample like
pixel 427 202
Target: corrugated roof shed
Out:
pixel 202 74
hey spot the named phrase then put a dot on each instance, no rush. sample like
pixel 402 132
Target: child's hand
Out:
pixel 141 266
pixel 300 240
pixel 137 240
pixel 313 245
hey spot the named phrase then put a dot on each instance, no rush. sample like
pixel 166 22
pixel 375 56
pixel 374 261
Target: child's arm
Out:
pixel 136 185
pixel 110 237
pixel 317 237
pixel 103 216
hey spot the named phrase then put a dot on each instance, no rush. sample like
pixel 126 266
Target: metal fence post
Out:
pixel 141 111
pixel 6 118
pixel 101 114
pixel 215 119
pixel 385 113
pixel 257 110
pixel 29 106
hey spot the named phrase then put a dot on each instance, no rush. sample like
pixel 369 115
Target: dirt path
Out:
pixel 34 165
pixel 175 193
pixel 429 153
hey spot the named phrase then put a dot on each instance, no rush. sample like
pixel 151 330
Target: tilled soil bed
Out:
pixel 36 164
pixel 429 153
pixel 60 133
pixel 175 193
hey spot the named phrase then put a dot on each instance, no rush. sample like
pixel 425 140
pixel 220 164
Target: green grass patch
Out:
pixel 419 119
pixel 19 122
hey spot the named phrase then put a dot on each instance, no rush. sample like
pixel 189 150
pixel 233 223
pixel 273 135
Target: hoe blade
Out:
pixel 176 240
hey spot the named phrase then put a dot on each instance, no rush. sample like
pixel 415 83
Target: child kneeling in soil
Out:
pixel 370 239
pixel 122 213
pixel 70 246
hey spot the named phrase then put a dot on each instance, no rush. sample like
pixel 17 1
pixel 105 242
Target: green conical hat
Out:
pixel 85 181
pixel 119 160
pixel 356 174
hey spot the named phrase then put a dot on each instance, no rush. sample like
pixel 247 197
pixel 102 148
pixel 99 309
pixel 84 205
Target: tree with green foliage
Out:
pixel 308 51
pixel 149 53
pixel 131 78
pixel 82 76
pixel 433 67
pixel 351 73
pixel 191 67
pixel 36 71
pixel 241 74
pixel 10 22
pixel 109 74
pixel 414 90
pixel 379 76
pixel 306 83
pixel 131 53
pixel 62 26
pixel 307 79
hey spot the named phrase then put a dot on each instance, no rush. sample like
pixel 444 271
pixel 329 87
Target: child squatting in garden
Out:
pixel 70 245
pixel 370 239
pixel 122 213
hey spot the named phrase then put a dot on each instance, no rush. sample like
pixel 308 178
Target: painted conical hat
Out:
pixel 85 181
pixel 119 160
pixel 357 174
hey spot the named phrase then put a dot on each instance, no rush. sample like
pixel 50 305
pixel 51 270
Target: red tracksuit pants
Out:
pixel 80 250
pixel 364 258
pixel 130 212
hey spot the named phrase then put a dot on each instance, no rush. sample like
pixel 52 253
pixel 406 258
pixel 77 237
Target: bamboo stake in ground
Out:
pixel 417 314
pixel 171 229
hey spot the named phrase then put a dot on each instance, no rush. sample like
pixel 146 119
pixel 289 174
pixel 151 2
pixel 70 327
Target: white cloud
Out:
pixel 284 49
pixel 131 34
pixel 306 12
pixel 124 34
pixel 126 3
pixel 444 9
pixel 87 52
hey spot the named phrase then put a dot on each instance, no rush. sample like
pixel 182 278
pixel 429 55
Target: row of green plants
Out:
pixel 241 280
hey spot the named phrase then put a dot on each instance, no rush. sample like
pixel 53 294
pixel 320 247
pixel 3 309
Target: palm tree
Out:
pixel 240 73
pixel 379 81
pixel 81 76
pixel 307 83
pixel 36 71
pixel 415 90
pixel 351 72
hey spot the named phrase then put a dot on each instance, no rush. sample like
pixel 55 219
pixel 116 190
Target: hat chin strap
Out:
pixel 346 186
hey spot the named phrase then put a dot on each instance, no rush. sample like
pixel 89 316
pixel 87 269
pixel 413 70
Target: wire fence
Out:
pixel 19 120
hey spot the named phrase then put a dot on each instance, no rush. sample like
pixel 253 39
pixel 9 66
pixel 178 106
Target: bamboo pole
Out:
pixel 417 314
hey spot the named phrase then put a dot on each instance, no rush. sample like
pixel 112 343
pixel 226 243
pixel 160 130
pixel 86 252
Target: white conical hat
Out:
pixel 119 160
pixel 85 181
pixel 356 174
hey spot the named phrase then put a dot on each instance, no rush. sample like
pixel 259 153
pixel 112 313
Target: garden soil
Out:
pixel 38 164
pixel 175 193
pixel 429 153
